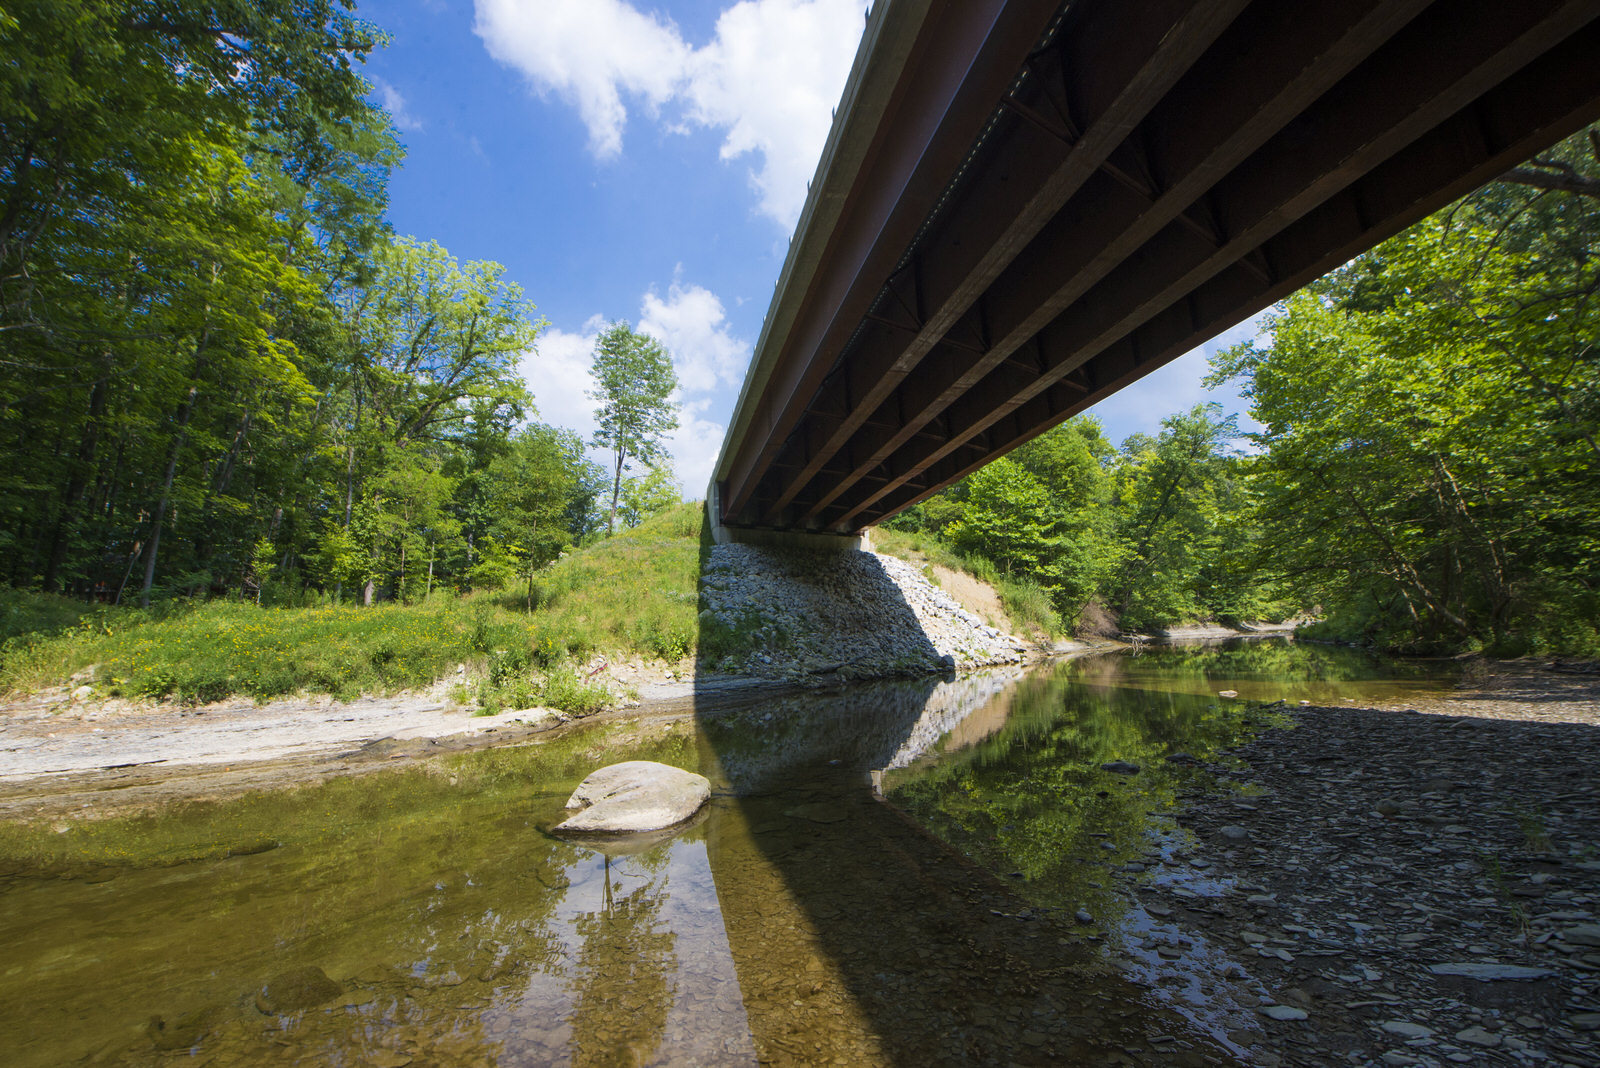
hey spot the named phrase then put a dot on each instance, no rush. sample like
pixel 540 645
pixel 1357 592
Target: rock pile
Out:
pixel 844 615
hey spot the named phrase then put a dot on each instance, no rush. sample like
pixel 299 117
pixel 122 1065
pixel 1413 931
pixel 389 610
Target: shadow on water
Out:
pixel 858 936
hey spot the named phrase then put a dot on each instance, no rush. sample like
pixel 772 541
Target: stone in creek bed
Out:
pixel 1234 832
pixel 1487 972
pixel 1585 1021
pixel 1477 1036
pixel 1388 807
pixel 1120 767
pixel 1587 934
pixel 1406 1029
pixel 298 988
pixel 1284 1012
pixel 634 796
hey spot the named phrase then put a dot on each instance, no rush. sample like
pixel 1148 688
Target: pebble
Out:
pixel 1587 934
pixel 1438 937
pixel 1284 1012
pixel 1234 832
pixel 1477 1036
pixel 1487 972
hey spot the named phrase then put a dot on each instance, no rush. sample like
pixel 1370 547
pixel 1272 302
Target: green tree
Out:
pixel 1431 417
pixel 531 491
pixel 636 381
pixel 1177 508
pixel 649 494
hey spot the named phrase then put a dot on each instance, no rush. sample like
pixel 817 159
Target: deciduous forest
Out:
pixel 223 373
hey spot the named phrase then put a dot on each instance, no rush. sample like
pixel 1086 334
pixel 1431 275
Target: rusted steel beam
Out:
pixel 1434 67
pixel 1532 109
pixel 1118 62
pixel 968 52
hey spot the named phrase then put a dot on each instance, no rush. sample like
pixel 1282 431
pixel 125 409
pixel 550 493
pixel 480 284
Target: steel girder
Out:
pixel 1144 176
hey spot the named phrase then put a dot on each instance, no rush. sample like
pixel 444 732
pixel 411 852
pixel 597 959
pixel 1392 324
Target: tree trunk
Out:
pixel 219 486
pixel 166 494
pixel 616 491
pixel 78 486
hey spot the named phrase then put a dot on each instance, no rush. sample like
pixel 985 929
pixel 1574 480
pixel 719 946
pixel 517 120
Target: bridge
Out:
pixel 1024 206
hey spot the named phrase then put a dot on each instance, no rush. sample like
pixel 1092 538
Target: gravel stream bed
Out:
pixel 1395 887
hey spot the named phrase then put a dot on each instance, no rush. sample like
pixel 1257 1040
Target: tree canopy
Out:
pixel 1431 419
pixel 220 371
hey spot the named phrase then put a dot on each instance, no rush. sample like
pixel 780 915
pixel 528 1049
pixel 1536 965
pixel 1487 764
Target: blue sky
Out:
pixel 637 161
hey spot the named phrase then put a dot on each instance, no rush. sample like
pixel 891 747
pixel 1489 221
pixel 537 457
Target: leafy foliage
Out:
pixel 1156 532
pixel 220 374
pixel 1431 420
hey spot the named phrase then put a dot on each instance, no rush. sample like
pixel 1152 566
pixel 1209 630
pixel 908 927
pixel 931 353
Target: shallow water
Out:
pixel 887 874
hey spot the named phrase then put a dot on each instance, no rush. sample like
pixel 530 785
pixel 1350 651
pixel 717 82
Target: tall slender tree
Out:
pixel 636 380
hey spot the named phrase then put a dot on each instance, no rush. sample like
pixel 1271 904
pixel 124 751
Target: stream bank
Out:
pixel 1406 885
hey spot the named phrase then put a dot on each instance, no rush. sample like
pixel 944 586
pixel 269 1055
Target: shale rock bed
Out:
pixel 843 615
pixel 1398 888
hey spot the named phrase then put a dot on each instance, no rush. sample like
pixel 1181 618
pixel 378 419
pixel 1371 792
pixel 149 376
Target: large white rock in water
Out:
pixel 634 796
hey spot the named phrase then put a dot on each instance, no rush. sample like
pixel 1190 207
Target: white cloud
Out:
pixel 694 446
pixel 395 104
pixel 589 52
pixel 771 79
pixel 690 321
pixel 692 325
pixel 557 372
pixel 768 80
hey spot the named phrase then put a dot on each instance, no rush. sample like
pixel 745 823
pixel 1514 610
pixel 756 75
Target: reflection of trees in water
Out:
pixel 624 983
pixel 1033 798
pixel 1269 659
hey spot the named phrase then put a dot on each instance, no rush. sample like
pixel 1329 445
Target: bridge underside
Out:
pixel 1026 206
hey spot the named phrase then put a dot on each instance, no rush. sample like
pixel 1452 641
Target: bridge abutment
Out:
pixel 722 534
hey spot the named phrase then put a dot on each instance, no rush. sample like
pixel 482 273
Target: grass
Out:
pixel 634 594
pixel 1027 604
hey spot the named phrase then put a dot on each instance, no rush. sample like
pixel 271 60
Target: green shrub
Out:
pixel 1030 606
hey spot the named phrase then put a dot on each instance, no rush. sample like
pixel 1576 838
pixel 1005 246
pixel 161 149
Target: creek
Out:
pixel 912 872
